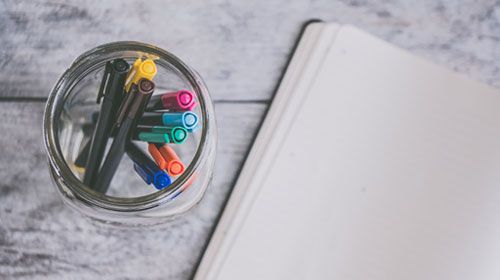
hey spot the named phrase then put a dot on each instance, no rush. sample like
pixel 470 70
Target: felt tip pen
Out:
pixel 182 100
pixel 141 69
pixel 147 168
pixel 176 135
pixel 112 91
pixel 151 137
pixel 143 173
pixel 166 158
pixel 187 120
pixel 133 112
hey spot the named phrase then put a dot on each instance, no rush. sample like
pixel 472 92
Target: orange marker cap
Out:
pixel 157 156
pixel 174 164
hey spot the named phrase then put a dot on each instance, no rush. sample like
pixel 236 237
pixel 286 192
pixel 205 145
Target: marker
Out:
pixel 147 169
pixel 177 134
pixel 160 134
pixel 141 93
pixel 157 156
pixel 166 158
pixel 144 174
pixel 187 120
pixel 182 100
pixel 111 90
pixel 141 69
pixel 151 137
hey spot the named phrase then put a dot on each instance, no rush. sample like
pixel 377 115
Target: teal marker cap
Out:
pixel 177 134
pixel 154 137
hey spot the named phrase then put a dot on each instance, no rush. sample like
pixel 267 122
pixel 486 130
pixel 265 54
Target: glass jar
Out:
pixel 68 115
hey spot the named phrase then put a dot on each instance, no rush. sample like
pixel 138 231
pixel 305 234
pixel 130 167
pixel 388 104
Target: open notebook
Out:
pixel 371 164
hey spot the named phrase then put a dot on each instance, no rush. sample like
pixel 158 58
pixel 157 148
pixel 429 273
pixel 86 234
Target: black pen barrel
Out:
pixel 151 119
pixel 114 80
pixel 117 149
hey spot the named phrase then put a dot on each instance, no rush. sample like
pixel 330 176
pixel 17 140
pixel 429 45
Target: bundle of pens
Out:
pixel 129 112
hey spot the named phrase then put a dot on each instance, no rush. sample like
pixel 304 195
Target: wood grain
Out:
pixel 42 238
pixel 239 47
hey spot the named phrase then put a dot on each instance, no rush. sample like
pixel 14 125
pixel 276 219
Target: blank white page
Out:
pixel 391 170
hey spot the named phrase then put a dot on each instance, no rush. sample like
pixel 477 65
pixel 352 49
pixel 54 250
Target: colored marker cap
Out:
pixel 179 135
pixel 190 120
pixel 175 166
pixel 185 97
pixel 161 180
pixel 147 68
pixel 154 137
pixel 186 100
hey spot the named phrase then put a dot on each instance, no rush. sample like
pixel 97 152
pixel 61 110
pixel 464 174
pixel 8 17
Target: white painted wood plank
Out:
pixel 239 47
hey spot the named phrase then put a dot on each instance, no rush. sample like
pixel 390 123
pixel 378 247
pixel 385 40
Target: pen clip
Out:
pixel 104 82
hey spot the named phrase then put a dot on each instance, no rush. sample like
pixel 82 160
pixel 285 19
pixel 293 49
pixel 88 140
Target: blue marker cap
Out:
pixel 144 174
pixel 161 180
pixel 188 120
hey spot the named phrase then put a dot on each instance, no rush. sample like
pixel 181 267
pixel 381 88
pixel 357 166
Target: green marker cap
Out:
pixel 153 137
pixel 179 135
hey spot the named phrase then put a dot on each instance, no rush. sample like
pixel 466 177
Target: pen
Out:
pixel 166 158
pixel 111 91
pixel 182 100
pixel 141 94
pixel 187 120
pixel 147 169
pixel 141 69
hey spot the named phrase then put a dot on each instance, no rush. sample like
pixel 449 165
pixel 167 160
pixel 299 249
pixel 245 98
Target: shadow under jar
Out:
pixel 67 126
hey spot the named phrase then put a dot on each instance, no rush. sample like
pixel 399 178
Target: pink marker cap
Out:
pixel 182 100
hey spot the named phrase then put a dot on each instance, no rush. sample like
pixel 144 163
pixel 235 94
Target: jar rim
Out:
pixel 72 186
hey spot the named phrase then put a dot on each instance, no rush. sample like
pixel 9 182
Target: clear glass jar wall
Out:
pixel 69 112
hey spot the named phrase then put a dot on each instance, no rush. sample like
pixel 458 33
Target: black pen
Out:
pixel 112 89
pixel 141 94
pixel 151 119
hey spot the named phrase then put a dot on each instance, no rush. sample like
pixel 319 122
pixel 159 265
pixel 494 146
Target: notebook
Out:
pixel 371 164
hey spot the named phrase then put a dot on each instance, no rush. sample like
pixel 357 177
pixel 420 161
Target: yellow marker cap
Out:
pixel 141 69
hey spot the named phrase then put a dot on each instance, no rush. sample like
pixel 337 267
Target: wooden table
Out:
pixel 239 47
